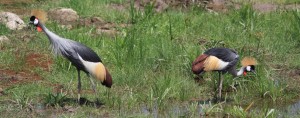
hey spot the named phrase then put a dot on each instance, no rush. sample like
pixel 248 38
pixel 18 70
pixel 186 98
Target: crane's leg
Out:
pixel 93 87
pixel 220 86
pixel 95 91
pixel 79 85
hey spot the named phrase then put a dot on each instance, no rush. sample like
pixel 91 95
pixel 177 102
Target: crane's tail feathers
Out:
pixel 101 73
pixel 108 79
pixel 198 64
pixel 248 61
pixel 199 59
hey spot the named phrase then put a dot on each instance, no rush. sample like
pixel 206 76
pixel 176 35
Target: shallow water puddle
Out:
pixel 292 110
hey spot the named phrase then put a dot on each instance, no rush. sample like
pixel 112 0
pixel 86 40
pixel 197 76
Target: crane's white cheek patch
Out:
pixel 248 68
pixel 36 21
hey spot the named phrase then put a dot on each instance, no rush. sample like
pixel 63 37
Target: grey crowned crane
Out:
pixel 81 56
pixel 222 60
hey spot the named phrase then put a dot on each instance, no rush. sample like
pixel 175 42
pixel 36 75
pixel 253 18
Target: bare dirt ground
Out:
pixel 11 77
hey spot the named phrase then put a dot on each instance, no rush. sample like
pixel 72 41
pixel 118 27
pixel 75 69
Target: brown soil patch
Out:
pixel 10 77
pixel 42 61
pixel 8 2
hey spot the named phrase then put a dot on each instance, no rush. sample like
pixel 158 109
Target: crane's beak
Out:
pixel 29 25
pixel 30 22
pixel 253 71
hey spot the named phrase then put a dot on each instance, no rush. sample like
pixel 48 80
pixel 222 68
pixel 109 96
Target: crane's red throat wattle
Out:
pixel 39 29
pixel 244 73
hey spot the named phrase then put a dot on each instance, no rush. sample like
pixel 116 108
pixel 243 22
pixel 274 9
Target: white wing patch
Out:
pixel 89 66
pixel 222 64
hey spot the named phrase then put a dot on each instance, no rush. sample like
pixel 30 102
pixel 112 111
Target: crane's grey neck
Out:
pixel 240 72
pixel 49 34
pixel 59 45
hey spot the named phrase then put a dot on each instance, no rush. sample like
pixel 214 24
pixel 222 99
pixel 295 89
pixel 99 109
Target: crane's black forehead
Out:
pixel 32 18
pixel 253 67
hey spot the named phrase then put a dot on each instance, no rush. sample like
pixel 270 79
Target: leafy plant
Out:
pixel 55 99
pixel 22 101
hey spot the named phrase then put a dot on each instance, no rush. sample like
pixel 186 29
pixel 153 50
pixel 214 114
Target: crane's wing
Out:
pixel 86 53
pixel 224 54
pixel 70 50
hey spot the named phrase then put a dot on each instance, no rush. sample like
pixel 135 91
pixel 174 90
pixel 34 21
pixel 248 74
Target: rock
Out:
pixel 1 91
pixel 265 7
pixel 11 20
pixel 27 37
pixel 217 5
pixel 64 16
pixel 218 2
pixel 159 5
pixel 3 39
pixel 107 31
pixel 91 21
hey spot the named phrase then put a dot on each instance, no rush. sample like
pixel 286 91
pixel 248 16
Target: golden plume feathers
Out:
pixel 248 61
pixel 40 14
pixel 211 63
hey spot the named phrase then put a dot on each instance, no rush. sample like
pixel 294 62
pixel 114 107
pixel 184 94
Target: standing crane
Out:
pixel 222 60
pixel 81 56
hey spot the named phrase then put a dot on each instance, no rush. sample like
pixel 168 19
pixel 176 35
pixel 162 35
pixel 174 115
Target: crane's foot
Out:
pixel 220 95
pixel 78 97
pixel 199 79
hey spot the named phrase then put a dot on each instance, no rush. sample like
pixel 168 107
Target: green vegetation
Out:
pixel 150 62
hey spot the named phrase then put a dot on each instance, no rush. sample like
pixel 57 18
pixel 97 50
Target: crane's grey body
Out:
pixel 226 55
pixel 81 56
pixel 222 60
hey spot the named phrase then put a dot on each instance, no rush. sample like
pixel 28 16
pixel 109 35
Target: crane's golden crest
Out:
pixel 40 14
pixel 248 61
pixel 211 63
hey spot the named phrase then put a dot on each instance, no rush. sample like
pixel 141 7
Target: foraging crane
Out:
pixel 81 56
pixel 222 60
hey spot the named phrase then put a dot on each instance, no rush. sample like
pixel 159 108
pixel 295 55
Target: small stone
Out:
pixel 159 5
pixel 69 108
pixel 1 91
pixel 64 16
pixel 106 31
pixel 3 39
pixel 12 21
